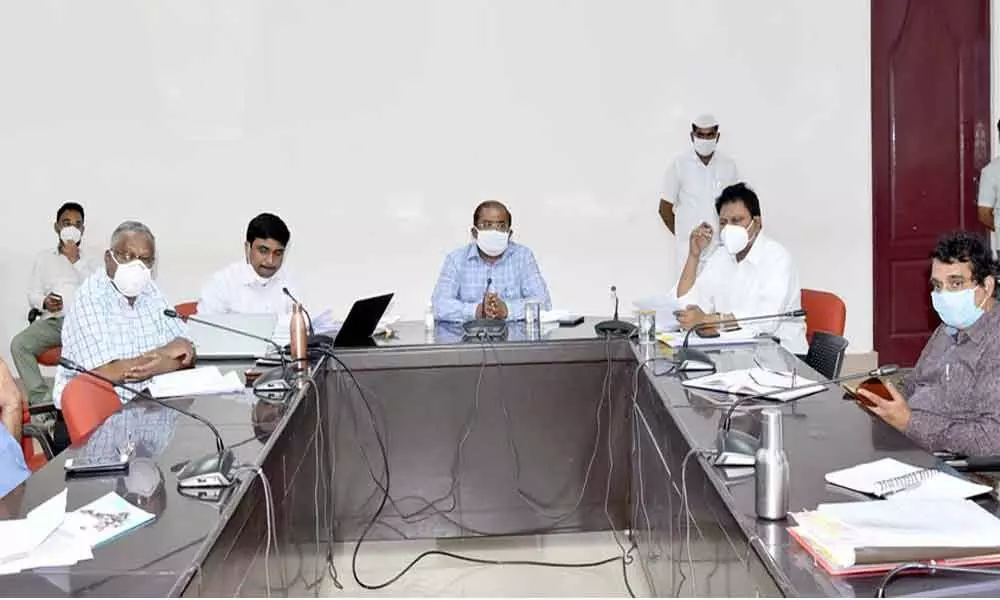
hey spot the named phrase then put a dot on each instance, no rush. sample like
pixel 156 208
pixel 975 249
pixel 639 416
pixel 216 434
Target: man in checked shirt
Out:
pixel 491 277
pixel 115 324
pixel 951 400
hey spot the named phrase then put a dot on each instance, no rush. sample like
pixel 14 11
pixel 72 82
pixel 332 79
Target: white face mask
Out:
pixel 70 234
pixel 131 278
pixel 255 276
pixel 705 147
pixel 492 242
pixel 735 238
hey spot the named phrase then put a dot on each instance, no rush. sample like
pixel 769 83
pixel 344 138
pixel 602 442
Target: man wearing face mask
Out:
pixel 253 285
pixel 950 401
pixel 115 324
pixel 751 275
pixel 491 277
pixel 56 275
pixel 692 183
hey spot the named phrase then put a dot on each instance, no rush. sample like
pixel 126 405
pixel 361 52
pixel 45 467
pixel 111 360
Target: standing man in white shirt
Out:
pixel 253 285
pixel 751 275
pixel 989 198
pixel 693 182
pixel 54 278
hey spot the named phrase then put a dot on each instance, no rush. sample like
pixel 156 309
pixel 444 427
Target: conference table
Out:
pixel 538 433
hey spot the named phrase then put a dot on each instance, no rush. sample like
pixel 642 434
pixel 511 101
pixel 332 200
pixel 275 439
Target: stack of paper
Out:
pixel 858 537
pixel 190 382
pixel 49 537
pixel 756 381
pixel 726 338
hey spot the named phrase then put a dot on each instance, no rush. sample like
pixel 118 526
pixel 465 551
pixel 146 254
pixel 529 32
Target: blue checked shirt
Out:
pixel 462 283
pixel 13 469
pixel 101 327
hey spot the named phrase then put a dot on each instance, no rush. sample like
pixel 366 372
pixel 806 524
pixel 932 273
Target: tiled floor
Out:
pixel 441 576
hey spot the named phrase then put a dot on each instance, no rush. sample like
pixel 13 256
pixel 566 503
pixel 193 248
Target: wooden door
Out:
pixel 930 137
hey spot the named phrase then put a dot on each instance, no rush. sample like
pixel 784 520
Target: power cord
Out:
pixel 385 497
pixel 270 525
pixel 928 569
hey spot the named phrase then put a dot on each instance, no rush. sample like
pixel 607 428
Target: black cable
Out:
pixel 422 555
pixel 928 569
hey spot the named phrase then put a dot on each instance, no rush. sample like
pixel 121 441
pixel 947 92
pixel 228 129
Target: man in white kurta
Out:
pixel 692 183
pixel 750 275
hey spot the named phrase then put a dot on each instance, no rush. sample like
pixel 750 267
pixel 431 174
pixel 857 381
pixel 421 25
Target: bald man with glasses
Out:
pixel 491 277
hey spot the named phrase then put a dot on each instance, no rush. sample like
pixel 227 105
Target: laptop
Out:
pixel 358 327
pixel 213 343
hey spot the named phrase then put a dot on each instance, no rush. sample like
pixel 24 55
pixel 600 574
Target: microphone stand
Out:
pixel 211 471
pixel 314 340
pixel 692 359
pixel 737 448
pixel 615 326
pixel 485 328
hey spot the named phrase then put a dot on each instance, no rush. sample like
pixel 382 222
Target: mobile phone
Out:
pixel 88 465
pixel 571 321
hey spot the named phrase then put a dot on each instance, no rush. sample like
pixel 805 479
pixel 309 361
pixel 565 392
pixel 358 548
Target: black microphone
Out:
pixel 615 326
pixel 692 359
pixel 309 318
pixel 738 442
pixel 213 470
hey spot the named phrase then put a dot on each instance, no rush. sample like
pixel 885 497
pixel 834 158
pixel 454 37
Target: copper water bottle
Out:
pixel 298 336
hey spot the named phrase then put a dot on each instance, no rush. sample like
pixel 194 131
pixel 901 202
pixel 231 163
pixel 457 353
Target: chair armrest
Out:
pixel 43 409
pixel 30 430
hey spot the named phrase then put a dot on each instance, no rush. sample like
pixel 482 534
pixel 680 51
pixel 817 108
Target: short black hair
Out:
pixel 491 204
pixel 738 192
pixel 967 247
pixel 68 206
pixel 266 226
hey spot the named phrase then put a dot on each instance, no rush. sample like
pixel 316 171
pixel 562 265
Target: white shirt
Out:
pixel 238 289
pixel 692 187
pixel 989 194
pixel 765 282
pixel 53 273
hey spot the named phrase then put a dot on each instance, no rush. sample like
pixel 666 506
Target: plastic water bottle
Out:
pixel 429 317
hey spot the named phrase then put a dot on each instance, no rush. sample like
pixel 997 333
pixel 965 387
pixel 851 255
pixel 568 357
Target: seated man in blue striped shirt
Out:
pixel 115 324
pixel 491 277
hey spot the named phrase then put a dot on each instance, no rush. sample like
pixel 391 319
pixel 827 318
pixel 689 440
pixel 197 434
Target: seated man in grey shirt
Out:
pixel 951 400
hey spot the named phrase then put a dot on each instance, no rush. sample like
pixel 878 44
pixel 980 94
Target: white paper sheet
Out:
pixel 190 382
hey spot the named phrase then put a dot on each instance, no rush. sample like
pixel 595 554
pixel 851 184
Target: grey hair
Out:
pixel 130 227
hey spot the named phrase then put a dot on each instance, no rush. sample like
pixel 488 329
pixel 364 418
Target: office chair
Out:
pixel 824 312
pixel 86 403
pixel 186 309
pixel 826 354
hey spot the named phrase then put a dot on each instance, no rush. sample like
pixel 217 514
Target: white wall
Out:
pixel 374 128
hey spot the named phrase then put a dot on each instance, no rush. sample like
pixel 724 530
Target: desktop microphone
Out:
pixel 266 382
pixel 485 328
pixel 743 445
pixel 213 470
pixel 314 340
pixel 615 327
pixel 692 359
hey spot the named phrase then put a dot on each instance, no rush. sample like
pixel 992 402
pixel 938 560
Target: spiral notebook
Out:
pixel 889 477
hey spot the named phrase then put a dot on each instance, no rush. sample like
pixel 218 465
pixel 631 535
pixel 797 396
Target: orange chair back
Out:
pixel 186 309
pixel 35 459
pixel 86 403
pixel 50 356
pixel 824 312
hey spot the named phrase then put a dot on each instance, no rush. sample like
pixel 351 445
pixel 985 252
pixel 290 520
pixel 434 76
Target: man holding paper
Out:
pixel 752 275
pixel 951 399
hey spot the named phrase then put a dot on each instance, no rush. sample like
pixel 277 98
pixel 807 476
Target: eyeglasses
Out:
pixel 494 225
pixel 128 257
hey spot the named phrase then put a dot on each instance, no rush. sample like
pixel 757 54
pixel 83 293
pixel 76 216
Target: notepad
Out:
pixel 104 519
pixel 190 382
pixel 889 477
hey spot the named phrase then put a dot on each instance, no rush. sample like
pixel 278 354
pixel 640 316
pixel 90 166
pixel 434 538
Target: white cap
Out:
pixel 705 121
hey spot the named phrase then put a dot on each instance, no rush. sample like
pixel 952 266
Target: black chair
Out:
pixel 826 353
